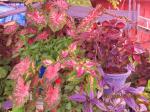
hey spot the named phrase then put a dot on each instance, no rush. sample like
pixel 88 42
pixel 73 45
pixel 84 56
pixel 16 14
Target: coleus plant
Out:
pixel 109 44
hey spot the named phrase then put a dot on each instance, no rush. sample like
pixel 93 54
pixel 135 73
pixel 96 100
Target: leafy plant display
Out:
pixel 55 74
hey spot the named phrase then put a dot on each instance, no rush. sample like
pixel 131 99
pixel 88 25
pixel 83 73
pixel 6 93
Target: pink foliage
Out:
pixel 36 17
pixel 21 91
pixel 56 17
pixel 91 17
pixel 42 36
pixel 80 71
pixel 52 96
pixel 11 29
pixel 28 31
pixel 73 47
pixel 64 54
pixel 20 69
pixel 69 64
pixel 52 71
pixel 31 41
pixel 60 4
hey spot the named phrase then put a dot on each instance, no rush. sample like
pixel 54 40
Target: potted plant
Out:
pixel 108 44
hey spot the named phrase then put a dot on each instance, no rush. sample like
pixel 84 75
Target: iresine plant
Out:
pixel 54 75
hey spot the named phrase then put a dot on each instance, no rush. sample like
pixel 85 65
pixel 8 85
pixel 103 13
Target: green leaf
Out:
pixel 3 72
pixel 148 84
pixel 18 109
pixel 68 106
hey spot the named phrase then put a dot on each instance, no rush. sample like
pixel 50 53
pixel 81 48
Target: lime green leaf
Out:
pixel 68 106
pixel 3 72
pixel 18 109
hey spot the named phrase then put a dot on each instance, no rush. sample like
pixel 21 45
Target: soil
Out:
pixel 114 70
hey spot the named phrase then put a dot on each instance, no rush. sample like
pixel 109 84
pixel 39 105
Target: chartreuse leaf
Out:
pixel 18 109
pixel 79 2
pixel 3 72
pixel 68 106
pixel 148 85
pixel 147 89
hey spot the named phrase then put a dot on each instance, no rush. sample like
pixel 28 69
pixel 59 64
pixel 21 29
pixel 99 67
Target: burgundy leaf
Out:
pixel 105 23
pixel 120 25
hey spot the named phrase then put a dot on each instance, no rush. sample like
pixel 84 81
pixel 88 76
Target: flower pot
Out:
pixel 117 78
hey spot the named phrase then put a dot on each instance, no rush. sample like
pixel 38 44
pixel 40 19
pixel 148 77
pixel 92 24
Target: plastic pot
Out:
pixel 117 79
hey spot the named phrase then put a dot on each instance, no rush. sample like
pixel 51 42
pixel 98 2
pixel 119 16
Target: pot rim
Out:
pixel 114 74
pixel 118 74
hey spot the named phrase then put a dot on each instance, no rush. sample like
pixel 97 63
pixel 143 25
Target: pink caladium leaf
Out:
pixel 52 96
pixel 42 36
pixel 62 4
pixel 36 17
pixel 27 31
pixel 73 47
pixel 52 71
pixel 56 20
pixel 11 29
pixel 64 54
pixel 90 18
pixel 20 68
pixel 80 71
pixel 21 91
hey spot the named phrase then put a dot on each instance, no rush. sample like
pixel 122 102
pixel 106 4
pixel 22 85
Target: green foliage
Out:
pixel 79 2
pixel 3 72
pixel 114 3
pixel 18 109
pixel 148 86
pixel 6 85
pixel 49 49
